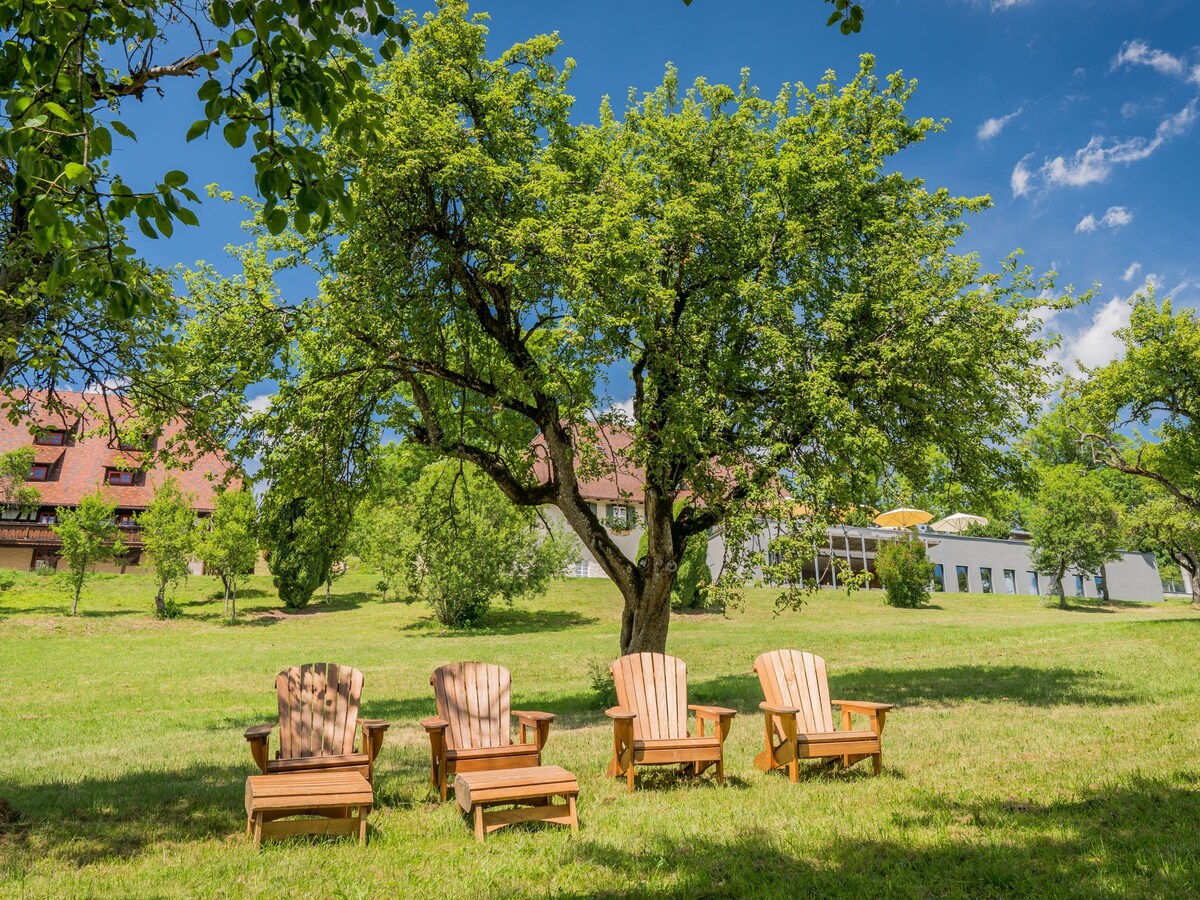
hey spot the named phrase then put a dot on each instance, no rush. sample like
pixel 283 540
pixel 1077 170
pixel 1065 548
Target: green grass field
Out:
pixel 1033 751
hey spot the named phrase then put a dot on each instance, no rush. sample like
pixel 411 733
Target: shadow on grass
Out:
pixel 1135 838
pixel 947 685
pixel 507 621
pixel 96 819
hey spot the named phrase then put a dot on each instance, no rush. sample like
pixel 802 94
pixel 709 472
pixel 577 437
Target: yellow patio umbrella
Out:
pixel 903 518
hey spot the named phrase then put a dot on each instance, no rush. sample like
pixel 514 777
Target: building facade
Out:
pixel 92 443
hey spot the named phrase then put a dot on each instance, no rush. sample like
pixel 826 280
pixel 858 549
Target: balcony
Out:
pixel 31 534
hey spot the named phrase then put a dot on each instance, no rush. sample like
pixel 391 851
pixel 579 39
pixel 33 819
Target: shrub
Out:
pixel 603 687
pixel 169 610
pixel 8 578
pixel 905 571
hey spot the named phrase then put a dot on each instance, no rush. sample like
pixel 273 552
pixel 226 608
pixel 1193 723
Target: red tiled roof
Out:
pixel 606 473
pixel 80 463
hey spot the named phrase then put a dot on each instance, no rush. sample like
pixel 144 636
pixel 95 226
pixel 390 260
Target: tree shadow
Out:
pixel 945 685
pixel 263 616
pixel 96 819
pixel 1137 838
pixel 507 621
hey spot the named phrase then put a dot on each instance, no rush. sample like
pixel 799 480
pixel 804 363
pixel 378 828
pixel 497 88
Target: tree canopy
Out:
pixel 787 307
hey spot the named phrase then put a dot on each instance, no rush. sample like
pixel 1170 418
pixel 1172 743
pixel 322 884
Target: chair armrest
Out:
pixel 259 732
pixel 712 712
pixel 532 718
pixel 620 713
pixel 374 724
pixel 434 723
pixel 776 710
pixel 863 706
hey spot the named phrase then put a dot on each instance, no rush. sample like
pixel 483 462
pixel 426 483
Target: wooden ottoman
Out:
pixel 331 795
pixel 533 787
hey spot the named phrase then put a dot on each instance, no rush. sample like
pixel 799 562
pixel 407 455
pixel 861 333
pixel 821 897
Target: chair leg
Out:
pixel 877 762
pixel 629 779
pixel 258 829
pixel 721 769
pixel 794 770
pixel 249 826
pixel 362 825
pixel 479 823
pixel 571 812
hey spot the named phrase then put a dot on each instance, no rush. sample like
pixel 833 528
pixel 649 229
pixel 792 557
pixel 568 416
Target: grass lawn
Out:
pixel 1034 751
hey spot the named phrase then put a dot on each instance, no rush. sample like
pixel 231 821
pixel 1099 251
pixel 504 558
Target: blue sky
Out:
pixel 1078 118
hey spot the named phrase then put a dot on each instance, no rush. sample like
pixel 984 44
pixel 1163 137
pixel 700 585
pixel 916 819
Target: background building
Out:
pixel 78 451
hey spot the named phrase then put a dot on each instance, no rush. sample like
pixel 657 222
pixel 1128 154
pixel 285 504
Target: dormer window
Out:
pixel 47 518
pixel 50 438
pixel 119 477
pixel 38 472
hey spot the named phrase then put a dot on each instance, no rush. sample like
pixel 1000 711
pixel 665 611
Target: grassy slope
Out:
pixel 1034 751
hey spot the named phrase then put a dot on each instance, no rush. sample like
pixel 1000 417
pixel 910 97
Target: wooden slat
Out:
pixel 289 828
pixel 681 704
pixel 491 716
pixel 505 706
pixel 637 677
pixel 471 689
pixel 654 678
pixel 823 691
pixel 317 738
pixel 684 754
pixel 353 698
pixel 306 705
pixel 341 704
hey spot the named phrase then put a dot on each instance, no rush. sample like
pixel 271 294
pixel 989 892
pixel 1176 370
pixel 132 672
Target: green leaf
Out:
pixel 199 127
pixel 54 109
pixel 235 133
pixel 210 89
pixel 834 18
pixel 124 130
pixel 219 11
pixel 176 178
pixel 147 228
pixel 77 172
pixel 277 221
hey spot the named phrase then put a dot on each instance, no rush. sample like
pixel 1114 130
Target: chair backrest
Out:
pixel 796 679
pixel 474 698
pixel 318 709
pixel 654 686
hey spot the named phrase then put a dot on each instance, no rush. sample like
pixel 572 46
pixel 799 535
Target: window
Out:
pixel 47 518
pixel 124 520
pixel 1010 581
pixel 1033 583
pixel 1078 585
pixel 118 476
pixel 1099 579
pixel 39 472
pixel 618 515
pixel 985 578
pixel 939 577
pixel 964 583
pixel 44 559
pixel 50 439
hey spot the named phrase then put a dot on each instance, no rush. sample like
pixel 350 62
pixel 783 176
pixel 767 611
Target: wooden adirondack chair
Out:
pixel 318 717
pixel 650 722
pixel 798 712
pixel 472 731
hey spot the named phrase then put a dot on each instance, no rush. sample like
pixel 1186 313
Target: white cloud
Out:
pixel 259 404
pixel 107 386
pixel 992 127
pixel 1114 217
pixel 1080 72
pixel 1008 4
pixel 1139 53
pixel 1095 160
pixel 623 410
pixel 1095 343
pixel 1021 176
pixel 1131 271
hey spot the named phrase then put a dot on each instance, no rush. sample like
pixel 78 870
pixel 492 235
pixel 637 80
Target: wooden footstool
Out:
pixel 331 795
pixel 533 787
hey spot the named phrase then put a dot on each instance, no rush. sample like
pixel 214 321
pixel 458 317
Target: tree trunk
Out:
pixel 232 607
pixel 79 587
pixel 1062 593
pixel 328 582
pixel 225 581
pixel 646 617
pixel 159 606
pixel 1104 584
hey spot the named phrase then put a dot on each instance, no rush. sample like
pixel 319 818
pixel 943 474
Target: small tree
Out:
pixel 169 537
pixel 905 571
pixel 297 552
pixel 1074 524
pixel 1172 529
pixel 467 545
pixel 380 537
pixel 89 535
pixel 229 545
pixel 14 470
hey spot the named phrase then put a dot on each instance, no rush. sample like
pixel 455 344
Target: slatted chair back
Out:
pixel 318 709
pixel 654 686
pixel 474 698
pixel 796 679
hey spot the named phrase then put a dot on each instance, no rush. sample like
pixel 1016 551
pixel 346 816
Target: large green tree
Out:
pixel 1140 414
pixel 1172 529
pixel 788 308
